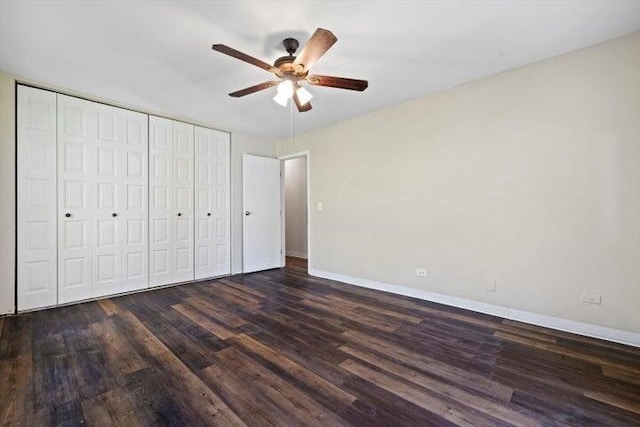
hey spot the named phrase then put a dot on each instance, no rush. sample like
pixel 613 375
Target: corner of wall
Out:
pixel 7 193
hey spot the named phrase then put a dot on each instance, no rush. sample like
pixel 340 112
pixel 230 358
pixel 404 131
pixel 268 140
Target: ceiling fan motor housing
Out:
pixel 285 63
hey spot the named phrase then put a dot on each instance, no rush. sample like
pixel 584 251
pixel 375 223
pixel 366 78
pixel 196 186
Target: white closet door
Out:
pixel 212 213
pixel 161 201
pixel 135 212
pixel 107 186
pixel 183 215
pixel 77 130
pixel 103 205
pixel 36 221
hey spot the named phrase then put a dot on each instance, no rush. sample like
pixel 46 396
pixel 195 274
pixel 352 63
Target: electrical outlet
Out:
pixel 490 285
pixel 591 298
pixel 421 272
pixel 319 206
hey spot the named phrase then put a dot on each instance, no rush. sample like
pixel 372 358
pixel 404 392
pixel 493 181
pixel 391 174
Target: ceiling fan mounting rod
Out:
pixel 290 45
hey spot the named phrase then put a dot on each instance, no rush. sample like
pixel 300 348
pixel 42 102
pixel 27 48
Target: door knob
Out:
pixel 247 213
pixel 208 213
pixel 179 214
pixel 67 214
pixel 114 214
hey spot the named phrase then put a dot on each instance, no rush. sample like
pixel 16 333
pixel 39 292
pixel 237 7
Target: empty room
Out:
pixel 305 213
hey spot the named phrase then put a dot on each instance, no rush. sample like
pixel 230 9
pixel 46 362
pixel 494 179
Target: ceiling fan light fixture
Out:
pixel 285 88
pixel 281 99
pixel 304 95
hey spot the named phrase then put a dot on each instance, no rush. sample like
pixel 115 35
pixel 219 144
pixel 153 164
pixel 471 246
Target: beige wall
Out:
pixel 239 144
pixel 530 178
pixel 7 193
pixel 295 195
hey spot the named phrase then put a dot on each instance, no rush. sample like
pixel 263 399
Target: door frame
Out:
pixel 307 154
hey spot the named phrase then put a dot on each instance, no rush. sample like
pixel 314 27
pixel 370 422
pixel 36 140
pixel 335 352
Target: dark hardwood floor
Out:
pixel 282 348
pixel 299 263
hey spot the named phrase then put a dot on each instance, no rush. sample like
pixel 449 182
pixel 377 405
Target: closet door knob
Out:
pixel 208 213
pixel 67 214
pixel 179 214
pixel 114 214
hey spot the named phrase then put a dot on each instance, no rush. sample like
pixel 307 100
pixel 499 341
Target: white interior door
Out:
pixel 212 235
pixel 183 177
pixel 171 230
pixel 77 130
pixel 261 231
pixel 135 202
pixel 160 205
pixel 107 184
pixel 37 251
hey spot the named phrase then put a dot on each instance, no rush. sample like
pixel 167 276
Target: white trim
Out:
pixel 566 325
pixel 304 153
pixel 297 254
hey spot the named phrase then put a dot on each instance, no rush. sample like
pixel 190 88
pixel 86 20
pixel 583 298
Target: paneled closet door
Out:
pixel 161 201
pixel 36 198
pixel 135 215
pixel 183 212
pixel 212 203
pixel 120 214
pixel 77 132
pixel 102 200
pixel 106 226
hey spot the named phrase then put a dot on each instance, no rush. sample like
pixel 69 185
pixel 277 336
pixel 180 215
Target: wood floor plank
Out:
pixel 292 400
pixel 376 406
pixel 621 374
pixel 460 415
pixel 568 352
pixel 109 307
pixel 255 409
pixel 391 313
pixel 308 377
pixel 482 386
pixel 350 315
pixel 202 320
pixel 225 317
pixel 429 364
pixel 182 382
pixel 16 373
pixel 628 405
pixel 496 409
pixel 111 408
pixel 235 285
pixel 120 357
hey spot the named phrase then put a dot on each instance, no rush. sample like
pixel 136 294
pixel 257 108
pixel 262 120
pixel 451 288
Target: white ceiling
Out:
pixel 157 54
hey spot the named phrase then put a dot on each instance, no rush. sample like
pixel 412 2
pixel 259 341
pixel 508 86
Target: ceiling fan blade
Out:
pixel 244 57
pixel 316 46
pixel 301 107
pixel 252 89
pixel 338 82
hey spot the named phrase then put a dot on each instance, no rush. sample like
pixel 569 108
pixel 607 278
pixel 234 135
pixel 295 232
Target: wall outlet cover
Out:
pixel 591 298
pixel 421 272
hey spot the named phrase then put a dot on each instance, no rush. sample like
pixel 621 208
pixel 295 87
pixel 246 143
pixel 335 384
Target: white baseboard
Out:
pixel 297 254
pixel 566 325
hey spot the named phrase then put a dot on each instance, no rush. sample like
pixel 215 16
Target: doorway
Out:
pixel 296 213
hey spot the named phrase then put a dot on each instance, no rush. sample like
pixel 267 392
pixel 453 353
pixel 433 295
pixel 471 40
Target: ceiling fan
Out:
pixel 293 70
